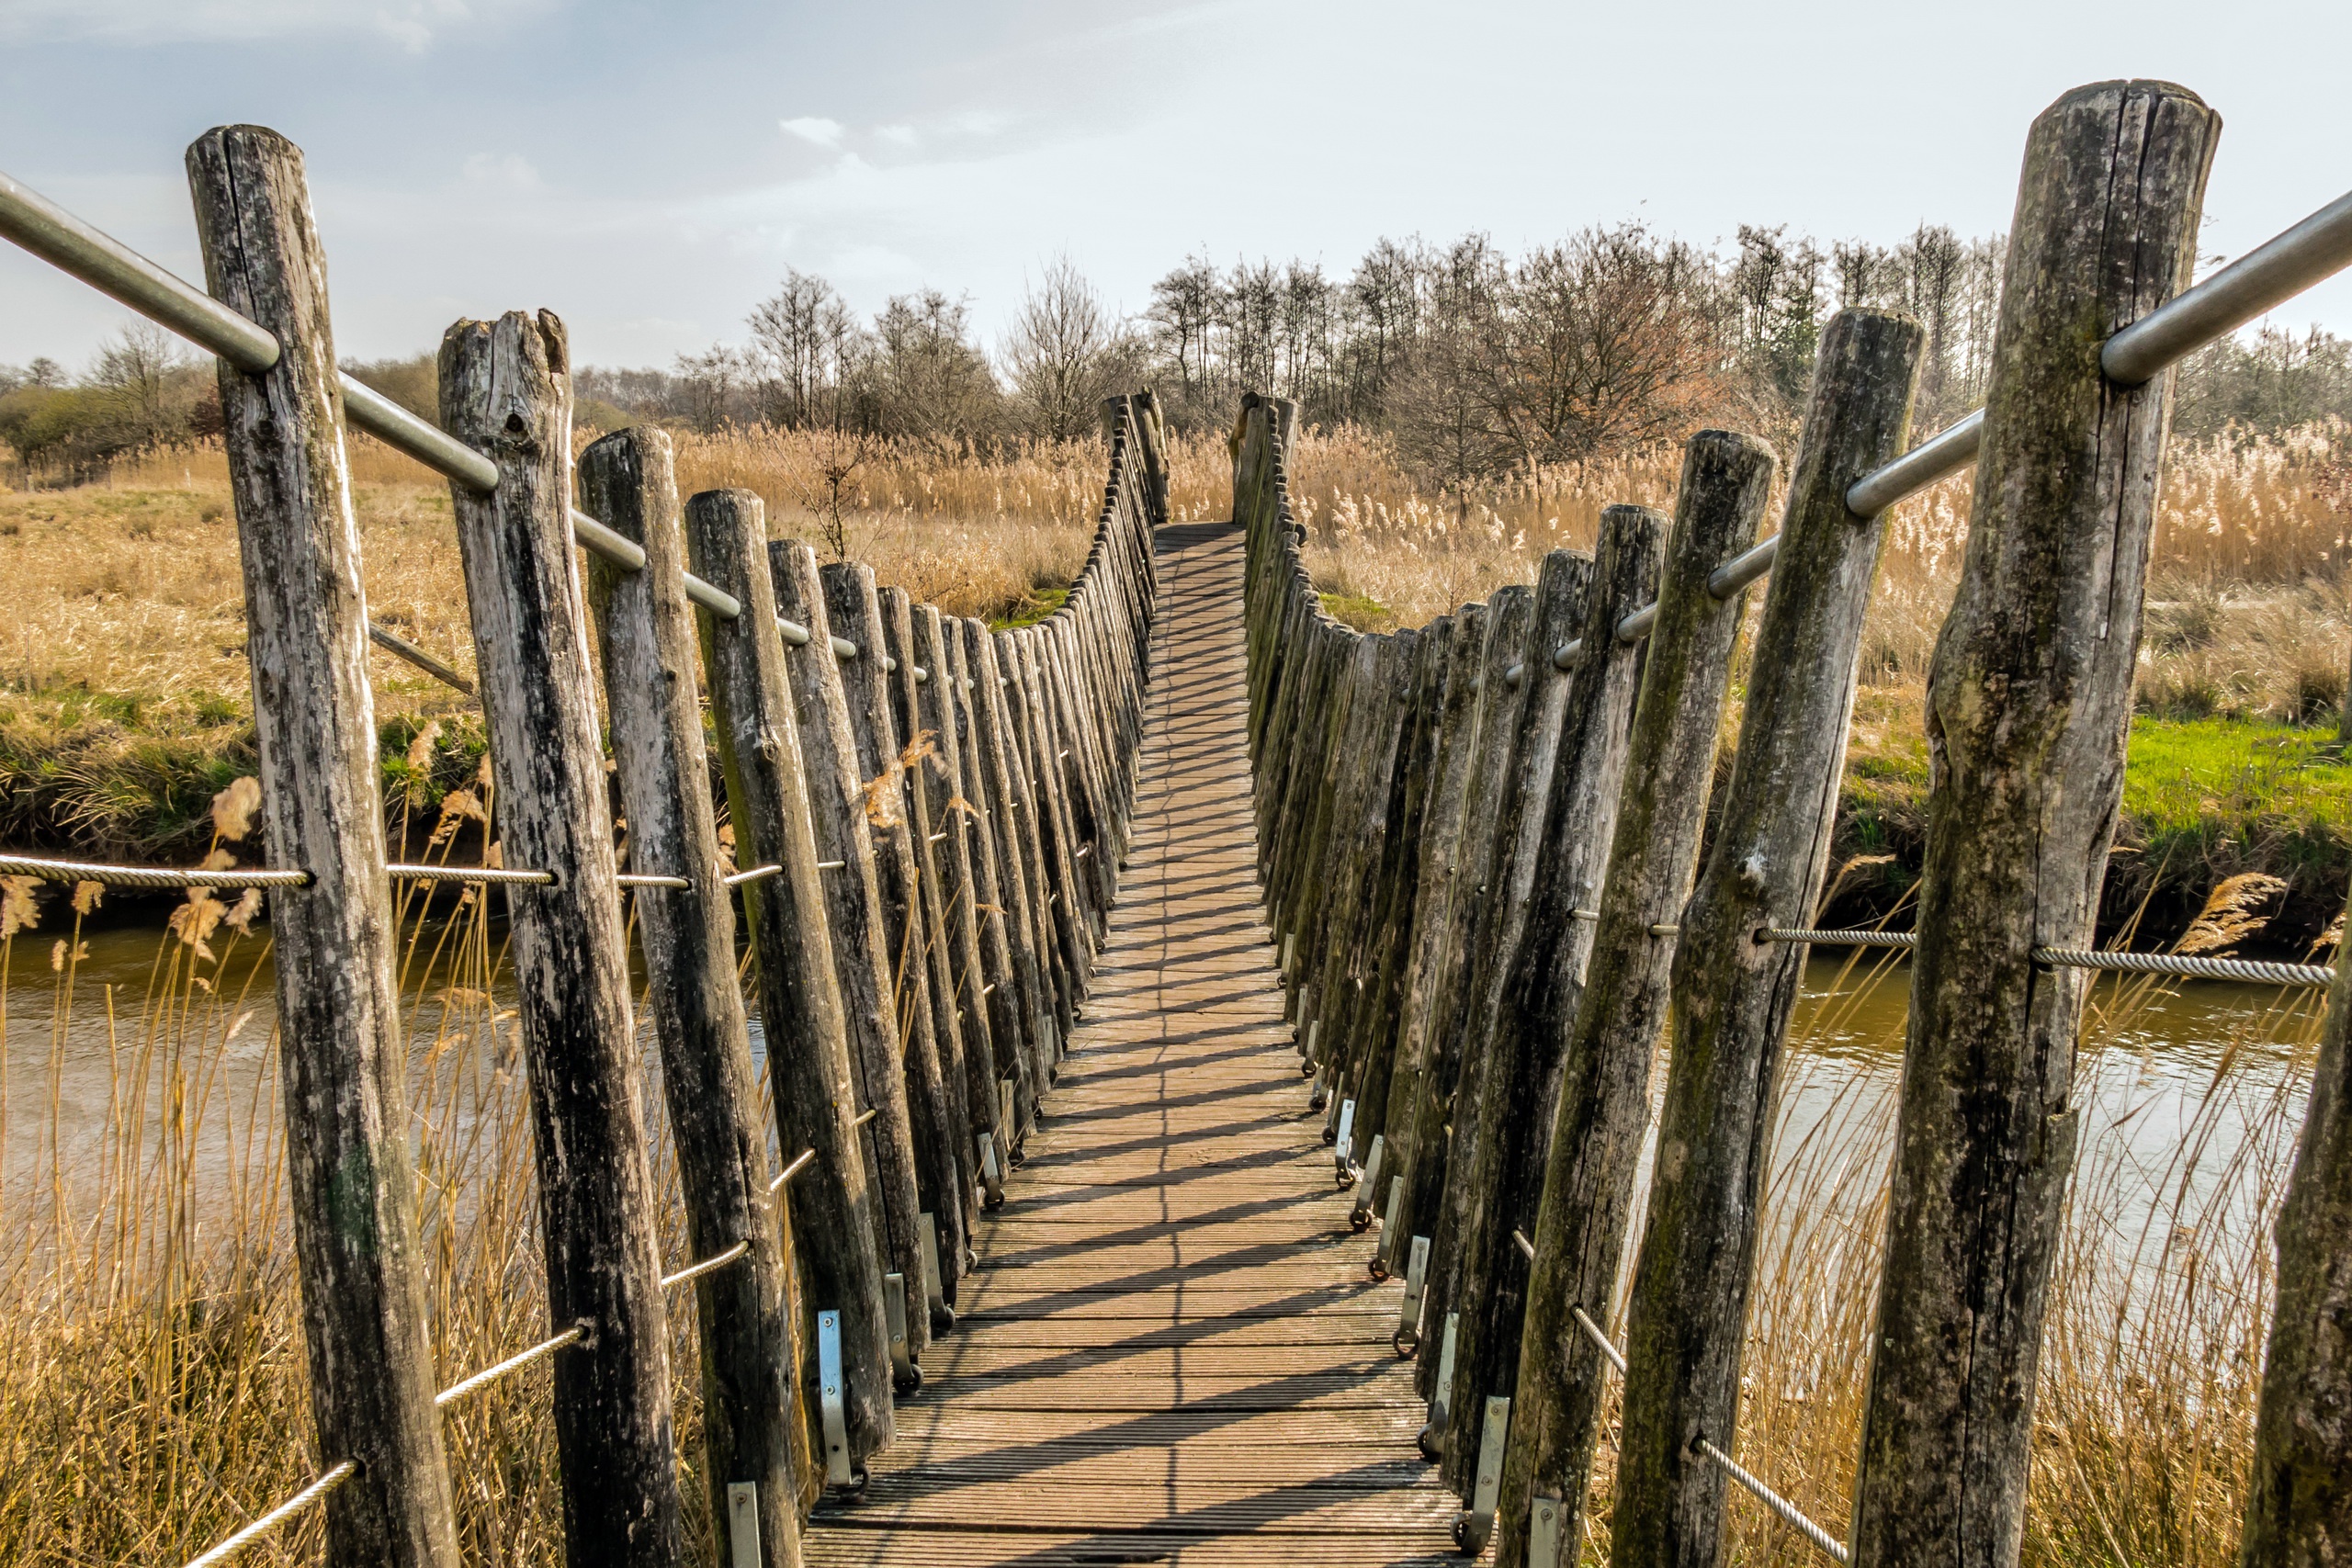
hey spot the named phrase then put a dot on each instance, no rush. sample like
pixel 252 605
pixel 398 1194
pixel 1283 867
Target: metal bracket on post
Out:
pixel 1308 1059
pixel 1290 996
pixel 934 1294
pixel 1472 1530
pixel 991 1173
pixel 1360 1215
pixel 743 1523
pixel 1544 1533
pixel 1005 1101
pixel 838 1471
pixel 904 1374
pixel 1384 1257
pixel 1440 1425
pixel 1343 1145
pixel 1408 1338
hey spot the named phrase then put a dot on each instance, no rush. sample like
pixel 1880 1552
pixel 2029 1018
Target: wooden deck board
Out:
pixel 1172 1351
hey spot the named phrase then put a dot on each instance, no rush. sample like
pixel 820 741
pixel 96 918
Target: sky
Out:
pixel 649 171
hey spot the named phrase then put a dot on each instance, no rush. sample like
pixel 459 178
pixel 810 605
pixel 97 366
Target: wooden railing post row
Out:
pixel 1329 777
pixel 652 699
pixel 1420 1074
pixel 1477 894
pixel 1018 869
pixel 1064 921
pixel 341 1049
pixel 924 1025
pixel 950 941
pixel 830 1206
pixel 1390 910
pixel 2028 708
pixel 980 965
pixel 1590 995
pixel 1302 759
pixel 1017 1016
pixel 1530 955
pixel 853 915
pixel 1356 849
pixel 505 390
pixel 1730 995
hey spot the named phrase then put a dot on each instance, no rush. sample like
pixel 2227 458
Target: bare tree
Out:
pixel 805 344
pixel 925 378
pixel 1061 353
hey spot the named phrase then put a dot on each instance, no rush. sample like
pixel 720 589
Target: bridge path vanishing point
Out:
pixel 1170 1353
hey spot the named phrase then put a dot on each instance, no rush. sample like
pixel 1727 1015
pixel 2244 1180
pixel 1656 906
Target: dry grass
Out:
pixel 124 695
pixel 152 1385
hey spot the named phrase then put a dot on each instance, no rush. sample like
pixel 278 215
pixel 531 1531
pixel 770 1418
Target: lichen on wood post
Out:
pixel 341 1049
pixel 2028 707
pixel 506 390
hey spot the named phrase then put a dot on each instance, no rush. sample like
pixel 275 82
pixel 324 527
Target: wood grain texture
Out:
pixel 854 914
pixel 934 1098
pixel 829 1211
pixel 2029 701
pixel 1729 993
pixel 341 1052
pixel 505 390
pixel 744 1315
pixel 1596 1101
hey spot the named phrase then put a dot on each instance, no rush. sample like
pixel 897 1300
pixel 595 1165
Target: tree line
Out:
pixel 1477 363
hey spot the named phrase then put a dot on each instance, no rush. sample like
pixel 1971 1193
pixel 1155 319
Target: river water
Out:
pixel 2191 1096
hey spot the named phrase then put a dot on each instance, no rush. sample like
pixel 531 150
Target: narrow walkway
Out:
pixel 1171 1354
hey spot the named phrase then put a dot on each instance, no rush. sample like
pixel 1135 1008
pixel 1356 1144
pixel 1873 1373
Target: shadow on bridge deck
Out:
pixel 1168 1355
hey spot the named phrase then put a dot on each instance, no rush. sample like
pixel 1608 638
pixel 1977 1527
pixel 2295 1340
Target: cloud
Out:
pixel 897 135
pixel 412 24
pixel 812 129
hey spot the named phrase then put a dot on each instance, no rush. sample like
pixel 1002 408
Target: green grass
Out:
pixel 1361 610
pixel 1036 605
pixel 2203 799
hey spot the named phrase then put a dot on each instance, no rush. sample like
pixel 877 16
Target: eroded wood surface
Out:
pixel 1171 1351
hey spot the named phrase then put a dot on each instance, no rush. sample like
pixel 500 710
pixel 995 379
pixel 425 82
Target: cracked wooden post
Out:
pixel 1730 995
pixel 341 1050
pixel 506 391
pixel 2028 708
pixel 1602 1013
pixel 653 699
pixel 853 916
pixel 830 1211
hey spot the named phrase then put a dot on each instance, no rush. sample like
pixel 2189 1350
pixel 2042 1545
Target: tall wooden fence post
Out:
pixel 1582 1179
pixel 341 1048
pixel 932 1047
pixel 2298 1508
pixel 853 916
pixel 652 697
pixel 1575 752
pixel 2030 702
pixel 831 1205
pixel 1731 992
pixel 506 390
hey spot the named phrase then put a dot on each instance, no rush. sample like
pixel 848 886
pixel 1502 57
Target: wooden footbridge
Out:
pixel 1171 1350
pixel 1051 1253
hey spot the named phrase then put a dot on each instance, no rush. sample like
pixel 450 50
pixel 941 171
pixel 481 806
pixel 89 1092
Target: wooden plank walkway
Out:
pixel 1172 1353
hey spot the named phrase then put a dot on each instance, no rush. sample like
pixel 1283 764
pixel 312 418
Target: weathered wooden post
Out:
pixel 1730 995
pixel 2029 705
pixel 1597 1014
pixel 831 1205
pixel 2298 1508
pixel 341 1049
pixel 687 934
pixel 999 775
pixel 1605 759
pixel 931 1047
pixel 853 916
pixel 506 390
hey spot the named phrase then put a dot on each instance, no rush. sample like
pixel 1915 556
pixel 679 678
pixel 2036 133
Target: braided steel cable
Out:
pixel 2180 965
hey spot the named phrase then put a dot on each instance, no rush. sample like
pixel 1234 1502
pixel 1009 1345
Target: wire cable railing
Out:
pixel 2181 965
